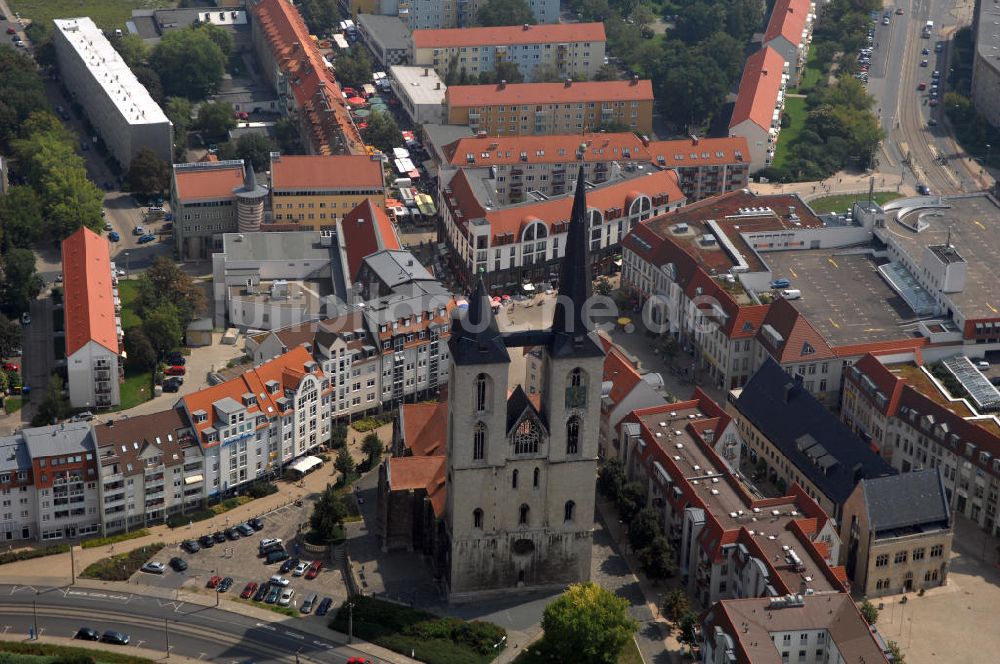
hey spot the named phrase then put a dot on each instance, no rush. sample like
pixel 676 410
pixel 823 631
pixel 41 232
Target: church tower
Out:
pixel 521 470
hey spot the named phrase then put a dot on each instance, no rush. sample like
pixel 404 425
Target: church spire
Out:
pixel 475 337
pixel 569 327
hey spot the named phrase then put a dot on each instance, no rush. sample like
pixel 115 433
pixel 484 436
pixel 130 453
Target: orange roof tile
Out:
pixel 788 20
pixel 759 88
pixel 326 172
pixel 622 374
pixel 425 431
pixel 509 35
pixel 414 472
pixel 89 301
pixel 218 181
pixel 461 96
pixel 365 230
pixel 802 342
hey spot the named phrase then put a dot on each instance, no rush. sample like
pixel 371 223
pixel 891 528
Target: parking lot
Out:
pixel 238 559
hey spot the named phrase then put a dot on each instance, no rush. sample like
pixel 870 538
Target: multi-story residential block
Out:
pixel 705 166
pixel 568 49
pixel 796 440
pixel 150 468
pixel 624 390
pixel 552 108
pixel 312 192
pixel 19 516
pixel 304 81
pixel 118 107
pixel 434 14
pixel 897 533
pixel 209 199
pixel 905 412
pixel 387 37
pixel 789 32
pixel 420 91
pixel 759 102
pixel 64 472
pixel 92 326
pixel 985 66
pixel 522 244
pixel 251 426
pixel 809 629
pixel 730 543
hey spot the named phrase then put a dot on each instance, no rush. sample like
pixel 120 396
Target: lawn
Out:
pixel 12 404
pixel 844 201
pixel 137 389
pixel 107 14
pixel 128 291
pixel 121 566
pixel 811 75
pixel 43 653
pixel 795 107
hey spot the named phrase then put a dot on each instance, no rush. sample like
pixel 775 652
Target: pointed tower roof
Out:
pixel 475 337
pixel 570 331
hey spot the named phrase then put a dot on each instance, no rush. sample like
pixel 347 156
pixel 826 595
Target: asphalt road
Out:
pixel 192 630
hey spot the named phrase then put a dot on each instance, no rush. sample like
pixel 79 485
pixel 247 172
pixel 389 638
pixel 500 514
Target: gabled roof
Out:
pixel 89 310
pixel 812 438
pixel 124 440
pixel 425 427
pixel 914 500
pixel 208 181
pixel 461 96
pixel 365 230
pixel 509 35
pixel 325 172
pixel 759 88
pixel 788 20
pixel 520 405
pixel 620 372
pixel 800 341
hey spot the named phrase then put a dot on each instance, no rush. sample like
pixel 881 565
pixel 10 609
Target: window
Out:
pixel 900 557
pixel 573 435
pixel 523 515
pixel 937 550
pixel 882 560
pixel 481 391
pixel 918 554
pixel 479 441
pixel 535 477
pixel 477 518
pixel 513 481
pixel 526 438
pixel 568 511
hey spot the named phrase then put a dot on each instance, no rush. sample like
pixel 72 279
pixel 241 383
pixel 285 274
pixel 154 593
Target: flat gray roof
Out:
pixel 388 31
pixel 58 439
pixel 843 297
pixel 397 267
pixel 14 454
pixel 421 84
pixel 973 224
pixel 291 245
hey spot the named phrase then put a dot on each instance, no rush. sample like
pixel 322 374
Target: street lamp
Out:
pixel 498 646
pixel 34 613
pixel 350 622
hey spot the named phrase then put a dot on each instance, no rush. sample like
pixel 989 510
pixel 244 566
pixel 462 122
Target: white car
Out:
pixel 154 568
pixel 286 597
pixel 279 580
pixel 301 568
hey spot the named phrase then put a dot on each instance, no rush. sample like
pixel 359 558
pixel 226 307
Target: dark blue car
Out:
pixel 114 236
pixel 148 237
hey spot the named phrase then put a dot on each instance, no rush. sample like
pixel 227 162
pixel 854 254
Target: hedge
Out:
pixel 28 554
pixel 366 424
pixel 105 541
pixel 261 489
pixel 433 639
pixel 121 566
pixel 70 653
pixel 178 520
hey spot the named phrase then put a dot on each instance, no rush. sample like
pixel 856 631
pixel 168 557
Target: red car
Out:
pixel 922 86
pixel 314 569
pixel 11 367
pixel 213 582
pixel 11 31
pixel 248 592
pixel 175 371
pixel 358 660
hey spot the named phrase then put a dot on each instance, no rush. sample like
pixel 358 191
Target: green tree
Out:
pixel 383 132
pixel 870 612
pixel 162 328
pixel 506 71
pixel 354 68
pixel 165 281
pixel 608 72
pixel 21 94
pixel 254 148
pixel 21 223
pixel 20 283
pixel 328 515
pixel 132 48
pixel 657 559
pixel 189 63
pixel 897 655
pixel 505 12
pixel 546 73
pixel 286 131
pixel 11 336
pixel 222 38
pixel 373 447
pixel 644 528
pixel 54 405
pixel 631 500
pixel 344 463
pixel 215 119
pixel 676 605
pixel 687 626
pixel 319 15
pixel 178 111
pixel 338 435
pixel 141 354
pixel 148 175
pixel 150 80
pixel 700 20
pixel 611 478
pixel 602 287
pixel 589 621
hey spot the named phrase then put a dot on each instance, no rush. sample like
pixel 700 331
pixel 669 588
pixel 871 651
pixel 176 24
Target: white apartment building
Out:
pixel 92 323
pixel 119 108
pixel 569 49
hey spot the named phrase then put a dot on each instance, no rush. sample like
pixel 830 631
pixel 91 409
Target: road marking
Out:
pixel 202 655
pixel 139 644
pixel 833 323
pixel 295 635
pixel 979 223
pixel 270 628
pixel 874 329
pixel 833 262
pixel 992 308
pixel 322 644
pixel 792 271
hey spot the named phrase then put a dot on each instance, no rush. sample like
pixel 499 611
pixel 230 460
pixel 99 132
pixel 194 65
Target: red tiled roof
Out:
pixel 461 96
pixel 89 309
pixel 788 20
pixel 759 88
pixel 798 333
pixel 425 430
pixel 205 183
pixel 413 472
pixel 366 229
pixel 689 153
pixel 509 35
pixel 879 347
pixel 326 172
pixel 621 372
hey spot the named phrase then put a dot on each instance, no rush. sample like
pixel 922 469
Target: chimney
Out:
pixel 694 140
pixel 635 80
pixel 527 26
pixel 763 72
pixel 569 82
pixel 437 86
pixel 427 71
pixel 502 84
pixel 645 140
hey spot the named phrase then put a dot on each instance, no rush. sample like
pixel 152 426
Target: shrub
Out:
pixel 69 654
pixel 121 566
pixel 28 554
pixel 105 541
pixel 178 520
pixel 366 424
pixel 261 489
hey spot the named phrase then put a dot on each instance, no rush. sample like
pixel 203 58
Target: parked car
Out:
pixel 289 565
pixel 87 634
pixel 308 603
pixel 256 523
pixel 25 318
pixel 213 582
pixel 180 371
pixel 314 569
pixel 273 594
pixel 85 416
pixel 923 190
pixel 244 530
pixel 114 236
pixel 179 564
pixel 206 541
pixel 301 568
pixel 138 230
pixel 248 590
pixel 324 606
pixel 275 556
pixel 266 542
pixel 173 384
pixel 11 30
pixel 219 536
pixel 279 580
pixel 118 638
pixel 176 359
pixel 781 283
pixel 262 592
pixel 153 568
pixel 10 366
pixel 231 533
pixel 225 584
pixel 190 546
pixel 286 597
pixel 921 86
pixel 149 237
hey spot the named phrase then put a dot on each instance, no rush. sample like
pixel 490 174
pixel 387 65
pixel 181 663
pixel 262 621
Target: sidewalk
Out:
pixel 154 655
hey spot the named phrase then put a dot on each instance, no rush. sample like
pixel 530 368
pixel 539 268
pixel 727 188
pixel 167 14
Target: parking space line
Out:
pixel 832 262
pixel 833 323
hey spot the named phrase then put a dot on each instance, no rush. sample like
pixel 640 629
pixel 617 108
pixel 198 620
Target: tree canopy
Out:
pixel 383 132
pixel 148 175
pixel 320 15
pixel 215 119
pixel 505 12
pixel 255 148
pixel 354 68
pixel 165 282
pixel 590 622
pixel 328 515
pixel 189 62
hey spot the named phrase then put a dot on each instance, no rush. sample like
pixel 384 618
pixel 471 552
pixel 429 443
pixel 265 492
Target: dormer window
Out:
pixel 199 416
pixel 249 399
pixel 272 386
